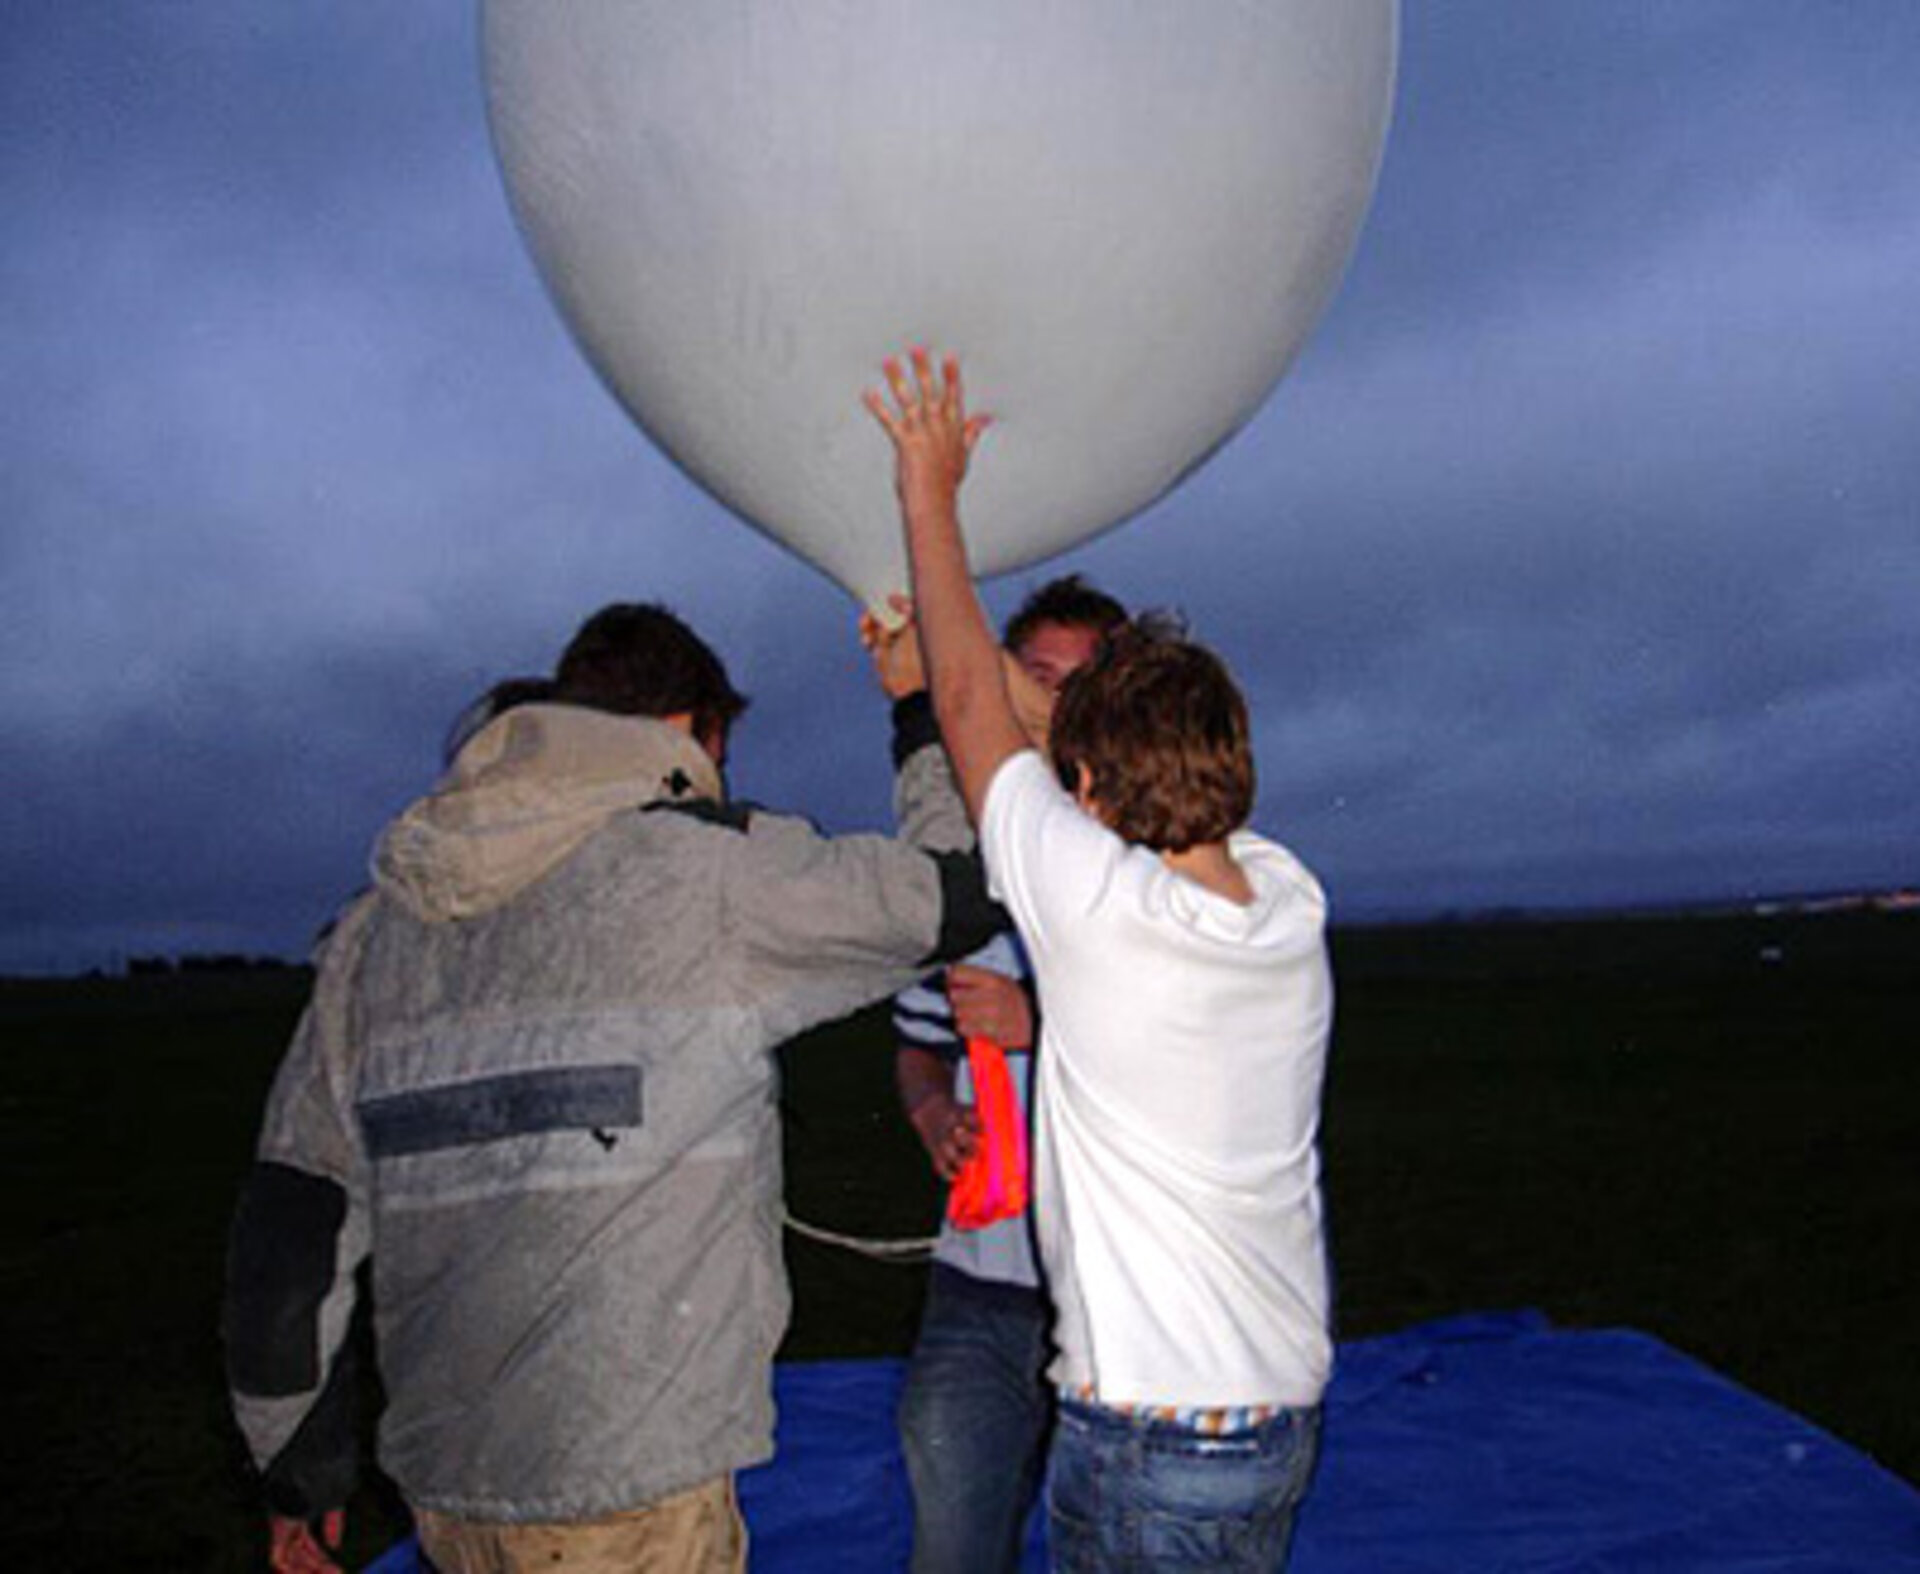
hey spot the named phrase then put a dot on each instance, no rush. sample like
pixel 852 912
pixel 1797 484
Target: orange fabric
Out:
pixel 993 1186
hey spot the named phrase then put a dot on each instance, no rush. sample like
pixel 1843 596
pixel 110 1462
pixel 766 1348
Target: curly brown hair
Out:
pixel 1160 728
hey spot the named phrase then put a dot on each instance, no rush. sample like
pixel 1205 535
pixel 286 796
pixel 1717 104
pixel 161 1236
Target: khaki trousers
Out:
pixel 698 1531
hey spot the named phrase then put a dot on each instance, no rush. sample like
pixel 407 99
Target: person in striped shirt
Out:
pixel 977 1408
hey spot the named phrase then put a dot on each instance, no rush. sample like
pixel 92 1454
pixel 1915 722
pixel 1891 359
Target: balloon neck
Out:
pixel 888 616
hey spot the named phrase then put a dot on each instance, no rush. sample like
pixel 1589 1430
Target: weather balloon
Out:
pixel 1124 215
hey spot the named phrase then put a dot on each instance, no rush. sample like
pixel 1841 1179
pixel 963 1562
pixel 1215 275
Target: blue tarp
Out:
pixel 1481 1445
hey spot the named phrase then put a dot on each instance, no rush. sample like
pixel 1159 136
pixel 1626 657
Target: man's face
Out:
pixel 1053 652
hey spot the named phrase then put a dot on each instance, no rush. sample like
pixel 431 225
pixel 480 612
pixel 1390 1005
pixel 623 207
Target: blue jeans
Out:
pixel 1126 1492
pixel 974 1419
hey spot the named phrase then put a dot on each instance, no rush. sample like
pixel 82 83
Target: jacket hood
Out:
pixel 523 793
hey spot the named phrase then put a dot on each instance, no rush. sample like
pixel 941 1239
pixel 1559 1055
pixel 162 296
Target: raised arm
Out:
pixel 933 437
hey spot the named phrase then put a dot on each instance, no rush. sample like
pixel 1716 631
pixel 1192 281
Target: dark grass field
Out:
pixel 1708 1130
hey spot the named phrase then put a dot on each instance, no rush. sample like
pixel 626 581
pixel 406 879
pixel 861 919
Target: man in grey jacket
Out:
pixel 535 1089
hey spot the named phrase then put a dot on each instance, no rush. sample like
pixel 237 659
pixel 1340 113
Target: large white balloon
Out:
pixel 1124 215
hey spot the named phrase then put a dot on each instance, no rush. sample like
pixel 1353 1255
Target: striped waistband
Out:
pixel 1207 1420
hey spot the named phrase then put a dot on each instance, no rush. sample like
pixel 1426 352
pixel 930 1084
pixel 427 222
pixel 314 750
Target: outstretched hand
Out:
pixel 933 436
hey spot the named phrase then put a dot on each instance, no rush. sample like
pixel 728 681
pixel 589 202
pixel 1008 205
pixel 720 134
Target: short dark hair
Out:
pixel 641 660
pixel 1068 600
pixel 1161 728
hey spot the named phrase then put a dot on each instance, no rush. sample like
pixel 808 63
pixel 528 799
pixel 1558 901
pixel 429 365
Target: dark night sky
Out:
pixel 1577 563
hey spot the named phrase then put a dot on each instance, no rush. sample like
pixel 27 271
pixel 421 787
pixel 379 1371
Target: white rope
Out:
pixel 898 1253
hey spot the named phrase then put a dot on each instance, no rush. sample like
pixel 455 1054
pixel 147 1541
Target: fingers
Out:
pixel 953 398
pixel 942 394
pixel 923 379
pixel 967 982
pixel 960 1144
pixel 293 1549
pixel 897 380
pixel 984 1021
pixel 882 414
pixel 874 631
pixel 989 1005
pixel 906 409
pixel 911 399
pixel 952 1137
pixel 924 394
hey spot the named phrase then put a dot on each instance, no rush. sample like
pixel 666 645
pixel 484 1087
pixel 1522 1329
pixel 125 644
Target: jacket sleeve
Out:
pixel 829 924
pixel 299 1235
pixel 932 816
pixel 866 914
pixel 926 799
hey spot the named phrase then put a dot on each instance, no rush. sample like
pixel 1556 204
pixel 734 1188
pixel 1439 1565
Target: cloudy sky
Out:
pixel 1577 563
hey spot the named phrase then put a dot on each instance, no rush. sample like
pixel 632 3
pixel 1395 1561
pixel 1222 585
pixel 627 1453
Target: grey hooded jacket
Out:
pixel 535 1087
